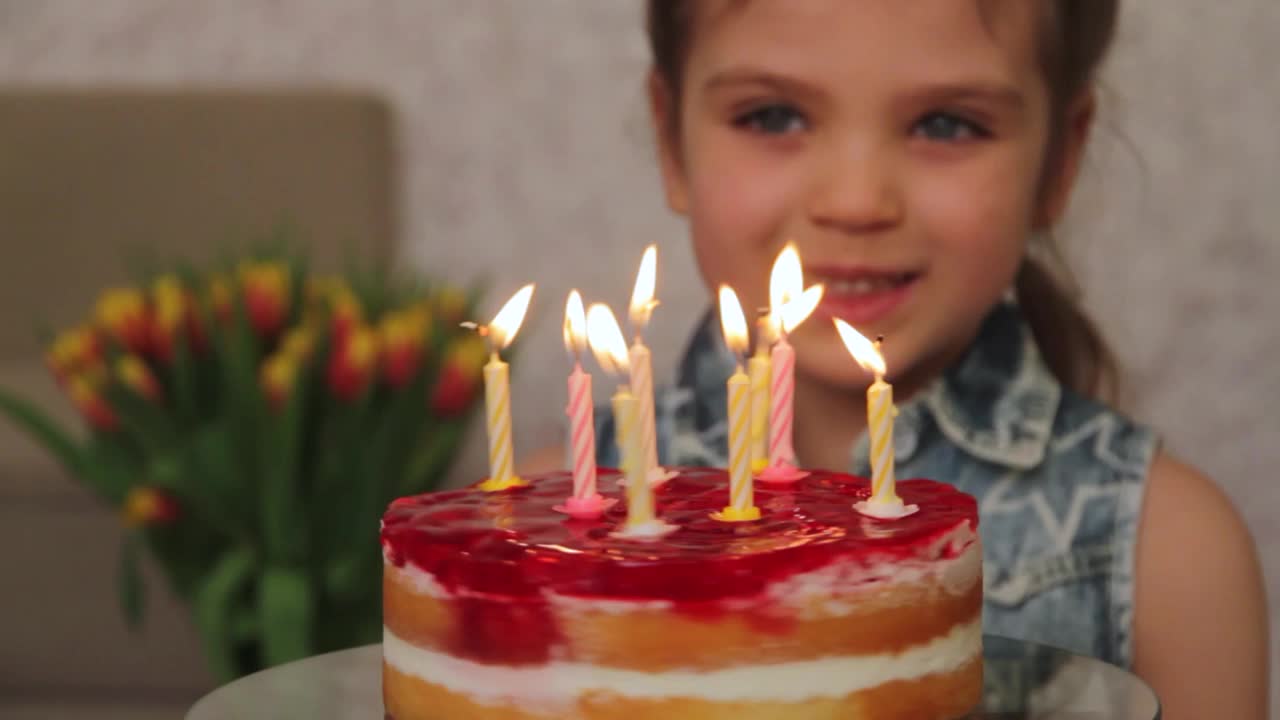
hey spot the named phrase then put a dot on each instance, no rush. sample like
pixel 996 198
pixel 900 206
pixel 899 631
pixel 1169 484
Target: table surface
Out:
pixel 1022 680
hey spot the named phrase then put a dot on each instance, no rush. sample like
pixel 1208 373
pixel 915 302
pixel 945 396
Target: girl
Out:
pixel 917 152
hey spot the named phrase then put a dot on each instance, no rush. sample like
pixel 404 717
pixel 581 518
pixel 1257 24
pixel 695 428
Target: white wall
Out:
pixel 525 149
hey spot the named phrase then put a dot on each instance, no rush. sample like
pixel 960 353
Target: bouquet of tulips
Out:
pixel 251 424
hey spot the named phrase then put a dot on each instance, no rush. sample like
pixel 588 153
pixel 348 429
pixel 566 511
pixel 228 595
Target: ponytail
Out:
pixel 1070 343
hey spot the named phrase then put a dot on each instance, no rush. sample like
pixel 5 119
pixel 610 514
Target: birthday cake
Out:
pixel 496 605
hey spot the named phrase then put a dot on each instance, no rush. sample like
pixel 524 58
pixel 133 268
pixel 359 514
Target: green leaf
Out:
pixel 242 409
pixel 141 419
pixel 286 613
pixel 209 467
pixel 283 527
pixel 45 431
pixel 427 467
pixel 185 393
pixel 132 590
pixel 215 608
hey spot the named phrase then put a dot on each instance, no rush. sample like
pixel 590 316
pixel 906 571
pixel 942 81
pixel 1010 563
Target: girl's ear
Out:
pixel 1064 161
pixel 666 127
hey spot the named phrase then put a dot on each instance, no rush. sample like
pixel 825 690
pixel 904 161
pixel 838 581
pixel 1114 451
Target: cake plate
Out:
pixel 1021 680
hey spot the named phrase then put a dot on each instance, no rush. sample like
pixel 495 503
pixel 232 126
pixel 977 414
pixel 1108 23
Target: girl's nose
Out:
pixel 855 191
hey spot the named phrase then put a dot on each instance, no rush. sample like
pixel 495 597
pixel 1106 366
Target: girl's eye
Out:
pixel 772 120
pixel 948 127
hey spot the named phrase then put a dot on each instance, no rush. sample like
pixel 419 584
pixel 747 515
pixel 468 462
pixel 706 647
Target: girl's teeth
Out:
pixel 861 286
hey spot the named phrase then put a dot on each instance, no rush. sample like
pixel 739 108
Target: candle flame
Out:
pixel 507 322
pixel 606 340
pixel 786 281
pixel 796 311
pixel 732 321
pixel 642 302
pixel 863 350
pixel 575 324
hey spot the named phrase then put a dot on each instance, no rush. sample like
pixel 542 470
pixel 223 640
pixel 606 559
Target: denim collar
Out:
pixel 997 403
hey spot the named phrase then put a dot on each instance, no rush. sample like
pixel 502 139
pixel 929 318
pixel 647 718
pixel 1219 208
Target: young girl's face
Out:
pixel 900 145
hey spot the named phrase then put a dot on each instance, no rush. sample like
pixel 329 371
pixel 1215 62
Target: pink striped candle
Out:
pixel 582 434
pixel 585 502
pixel 789 305
pixel 782 392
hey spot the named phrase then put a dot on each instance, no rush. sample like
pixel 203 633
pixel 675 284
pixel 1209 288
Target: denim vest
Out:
pixel 1059 478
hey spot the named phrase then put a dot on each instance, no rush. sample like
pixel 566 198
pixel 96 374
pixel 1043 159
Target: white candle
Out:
pixel 610 350
pixel 641 371
pixel 639 494
pixel 641 364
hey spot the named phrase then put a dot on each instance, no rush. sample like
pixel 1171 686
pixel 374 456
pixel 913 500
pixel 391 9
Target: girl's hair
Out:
pixel 1074 38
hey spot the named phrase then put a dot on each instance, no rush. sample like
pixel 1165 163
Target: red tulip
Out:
pixel 124 315
pixel 88 400
pixel 266 295
pixel 220 298
pixel 460 376
pixel 136 376
pixel 402 338
pixel 74 350
pixel 148 506
pixel 450 304
pixel 278 376
pixel 174 317
pixel 351 364
pixel 346 314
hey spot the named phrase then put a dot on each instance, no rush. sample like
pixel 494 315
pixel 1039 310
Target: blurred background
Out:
pixel 507 140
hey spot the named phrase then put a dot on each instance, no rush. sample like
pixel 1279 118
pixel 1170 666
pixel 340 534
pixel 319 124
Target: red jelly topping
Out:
pixel 502 550
pixel 513 542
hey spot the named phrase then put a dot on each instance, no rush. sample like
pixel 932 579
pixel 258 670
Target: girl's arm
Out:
pixel 1200 621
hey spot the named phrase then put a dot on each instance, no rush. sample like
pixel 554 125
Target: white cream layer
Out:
pixel 558 683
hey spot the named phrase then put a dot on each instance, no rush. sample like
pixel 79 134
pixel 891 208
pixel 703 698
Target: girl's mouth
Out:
pixel 864 297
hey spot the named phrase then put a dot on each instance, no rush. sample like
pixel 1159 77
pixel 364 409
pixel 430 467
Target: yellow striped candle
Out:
pixel 884 502
pixel 497 392
pixel 741 489
pixel 497 403
pixel 880 412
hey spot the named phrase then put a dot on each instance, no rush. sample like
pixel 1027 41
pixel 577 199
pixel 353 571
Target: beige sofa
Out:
pixel 86 178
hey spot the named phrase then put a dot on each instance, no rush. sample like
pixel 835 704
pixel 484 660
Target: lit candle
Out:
pixel 641 363
pixel 610 349
pixel 884 501
pixel 497 391
pixel 585 503
pixel 741 492
pixel 789 305
pixel 759 368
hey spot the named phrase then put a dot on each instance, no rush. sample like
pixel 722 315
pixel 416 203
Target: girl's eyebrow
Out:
pixel 982 91
pixel 747 75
